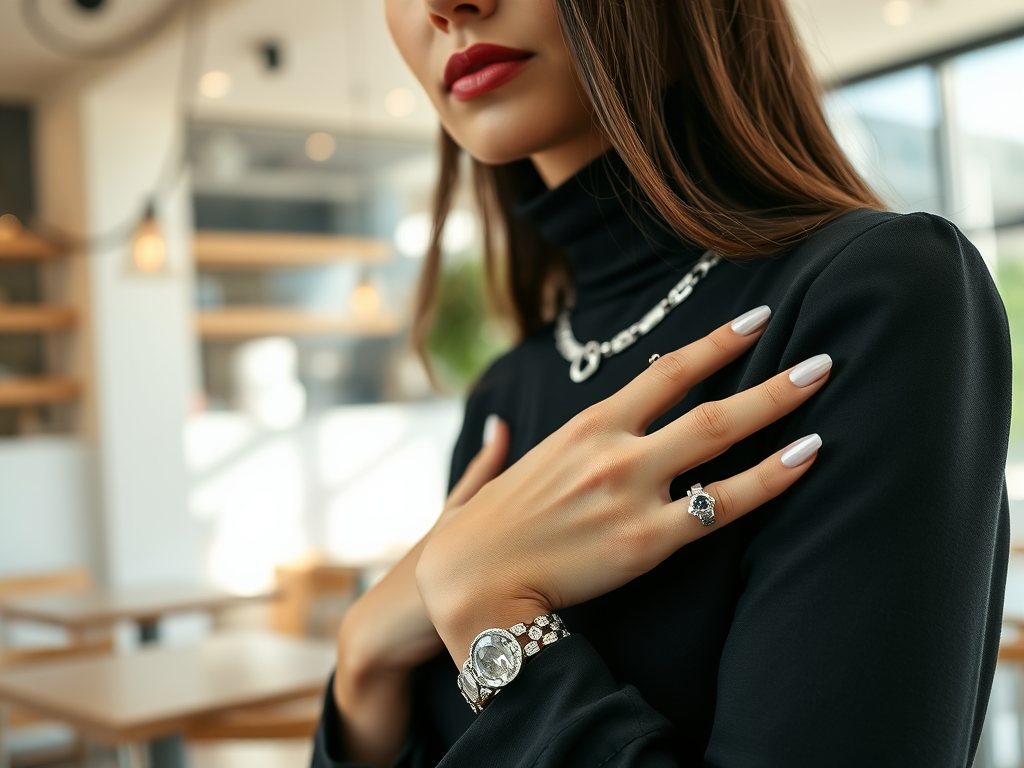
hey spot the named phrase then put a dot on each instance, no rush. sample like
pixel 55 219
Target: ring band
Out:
pixel 702 504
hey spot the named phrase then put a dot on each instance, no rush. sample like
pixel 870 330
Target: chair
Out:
pixel 73 580
pixel 300 585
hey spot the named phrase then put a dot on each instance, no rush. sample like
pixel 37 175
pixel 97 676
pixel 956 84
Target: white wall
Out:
pixel 44 505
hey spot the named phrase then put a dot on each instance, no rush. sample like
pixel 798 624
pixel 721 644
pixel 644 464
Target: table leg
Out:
pixel 5 755
pixel 168 752
pixel 132 756
pixel 149 631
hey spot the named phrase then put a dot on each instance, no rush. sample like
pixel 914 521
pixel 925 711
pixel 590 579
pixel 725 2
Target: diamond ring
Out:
pixel 702 504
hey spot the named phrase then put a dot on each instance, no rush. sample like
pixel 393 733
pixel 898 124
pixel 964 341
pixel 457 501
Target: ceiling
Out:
pixel 325 79
pixel 846 38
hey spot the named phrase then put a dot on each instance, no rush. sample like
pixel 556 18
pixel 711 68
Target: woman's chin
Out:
pixel 498 140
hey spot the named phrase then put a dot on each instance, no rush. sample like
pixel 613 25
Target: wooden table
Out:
pixel 156 692
pixel 77 612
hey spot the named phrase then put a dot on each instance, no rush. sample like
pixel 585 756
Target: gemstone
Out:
pixel 549 638
pixel 701 503
pixel 518 629
pixel 531 648
pixel 535 633
pixel 469 687
pixel 496 658
pixel 542 621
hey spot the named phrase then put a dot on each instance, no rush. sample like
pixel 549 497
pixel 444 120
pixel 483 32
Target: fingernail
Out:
pixel 810 370
pixel 490 428
pixel 750 321
pixel 800 451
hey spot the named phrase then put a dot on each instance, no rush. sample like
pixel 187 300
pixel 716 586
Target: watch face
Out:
pixel 496 657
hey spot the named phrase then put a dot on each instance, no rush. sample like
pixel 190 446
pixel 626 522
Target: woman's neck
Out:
pixel 560 163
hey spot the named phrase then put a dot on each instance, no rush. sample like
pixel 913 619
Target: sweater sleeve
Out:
pixel 892 549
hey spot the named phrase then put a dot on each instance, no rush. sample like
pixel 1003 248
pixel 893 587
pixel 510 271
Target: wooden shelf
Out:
pixel 279 249
pixel 38 391
pixel 26 246
pixel 249 322
pixel 27 318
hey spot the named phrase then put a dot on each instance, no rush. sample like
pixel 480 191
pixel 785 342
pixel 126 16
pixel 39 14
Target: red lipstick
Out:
pixel 481 68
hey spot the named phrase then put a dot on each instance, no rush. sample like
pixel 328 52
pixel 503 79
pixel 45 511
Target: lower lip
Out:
pixel 487 79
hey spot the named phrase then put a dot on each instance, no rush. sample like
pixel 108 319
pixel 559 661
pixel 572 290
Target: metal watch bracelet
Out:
pixel 497 655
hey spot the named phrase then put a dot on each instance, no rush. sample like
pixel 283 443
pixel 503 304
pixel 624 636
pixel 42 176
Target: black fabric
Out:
pixel 854 620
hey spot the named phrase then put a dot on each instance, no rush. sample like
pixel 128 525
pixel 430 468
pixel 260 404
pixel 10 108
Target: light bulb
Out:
pixel 10 228
pixel 149 253
pixel 897 12
pixel 365 301
pixel 215 84
pixel 320 147
pixel 400 102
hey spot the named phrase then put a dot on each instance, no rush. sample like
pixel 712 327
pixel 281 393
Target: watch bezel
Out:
pixel 517 658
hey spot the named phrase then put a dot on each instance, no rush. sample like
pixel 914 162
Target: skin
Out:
pixel 588 509
pixel 542 113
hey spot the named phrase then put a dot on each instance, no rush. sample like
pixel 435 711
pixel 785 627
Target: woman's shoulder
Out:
pixel 890 241
pixel 917 259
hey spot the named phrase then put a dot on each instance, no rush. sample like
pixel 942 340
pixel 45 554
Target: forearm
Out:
pixel 384 636
pixel 374 711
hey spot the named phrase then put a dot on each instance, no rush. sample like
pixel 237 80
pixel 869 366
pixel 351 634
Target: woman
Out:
pixel 853 618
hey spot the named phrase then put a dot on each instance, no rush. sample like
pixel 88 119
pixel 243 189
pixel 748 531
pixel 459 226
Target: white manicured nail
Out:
pixel 800 451
pixel 490 428
pixel 810 370
pixel 750 321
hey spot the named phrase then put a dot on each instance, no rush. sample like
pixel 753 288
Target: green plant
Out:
pixel 465 336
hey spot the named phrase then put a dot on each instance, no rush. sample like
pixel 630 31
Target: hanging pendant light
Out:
pixel 365 301
pixel 149 251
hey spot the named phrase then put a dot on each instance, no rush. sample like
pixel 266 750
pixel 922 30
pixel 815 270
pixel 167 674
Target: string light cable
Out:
pixel 175 160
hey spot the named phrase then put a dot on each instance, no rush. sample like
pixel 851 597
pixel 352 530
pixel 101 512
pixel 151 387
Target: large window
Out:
pixel 889 127
pixel 947 136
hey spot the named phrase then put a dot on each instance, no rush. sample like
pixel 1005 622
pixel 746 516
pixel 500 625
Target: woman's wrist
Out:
pixel 460 623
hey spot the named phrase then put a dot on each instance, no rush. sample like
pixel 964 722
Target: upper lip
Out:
pixel 476 57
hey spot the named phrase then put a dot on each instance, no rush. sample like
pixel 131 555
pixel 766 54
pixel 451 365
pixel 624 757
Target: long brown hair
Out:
pixel 751 112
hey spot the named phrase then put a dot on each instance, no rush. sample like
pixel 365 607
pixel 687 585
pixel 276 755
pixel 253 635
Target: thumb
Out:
pixel 486 465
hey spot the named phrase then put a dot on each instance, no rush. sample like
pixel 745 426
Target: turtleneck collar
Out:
pixel 614 246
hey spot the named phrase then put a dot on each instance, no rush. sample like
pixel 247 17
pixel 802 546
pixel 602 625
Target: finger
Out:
pixel 741 493
pixel 668 379
pixel 486 465
pixel 713 427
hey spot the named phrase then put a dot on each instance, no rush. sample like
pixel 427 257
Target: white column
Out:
pixel 141 325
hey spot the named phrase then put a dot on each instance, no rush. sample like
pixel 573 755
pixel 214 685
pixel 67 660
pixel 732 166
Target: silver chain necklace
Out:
pixel 585 358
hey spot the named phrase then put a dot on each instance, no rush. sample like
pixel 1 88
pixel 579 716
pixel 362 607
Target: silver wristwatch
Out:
pixel 497 655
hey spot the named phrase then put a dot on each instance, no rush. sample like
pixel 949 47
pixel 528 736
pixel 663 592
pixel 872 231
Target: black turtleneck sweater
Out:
pixel 854 620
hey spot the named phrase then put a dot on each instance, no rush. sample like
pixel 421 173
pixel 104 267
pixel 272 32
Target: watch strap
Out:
pixel 533 636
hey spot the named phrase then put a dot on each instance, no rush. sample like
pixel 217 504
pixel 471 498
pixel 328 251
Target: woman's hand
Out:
pixel 387 633
pixel 589 509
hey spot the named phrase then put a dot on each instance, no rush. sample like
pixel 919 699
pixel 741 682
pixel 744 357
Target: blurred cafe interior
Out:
pixel 214 432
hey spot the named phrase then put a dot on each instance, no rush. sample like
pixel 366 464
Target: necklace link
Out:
pixel 584 359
